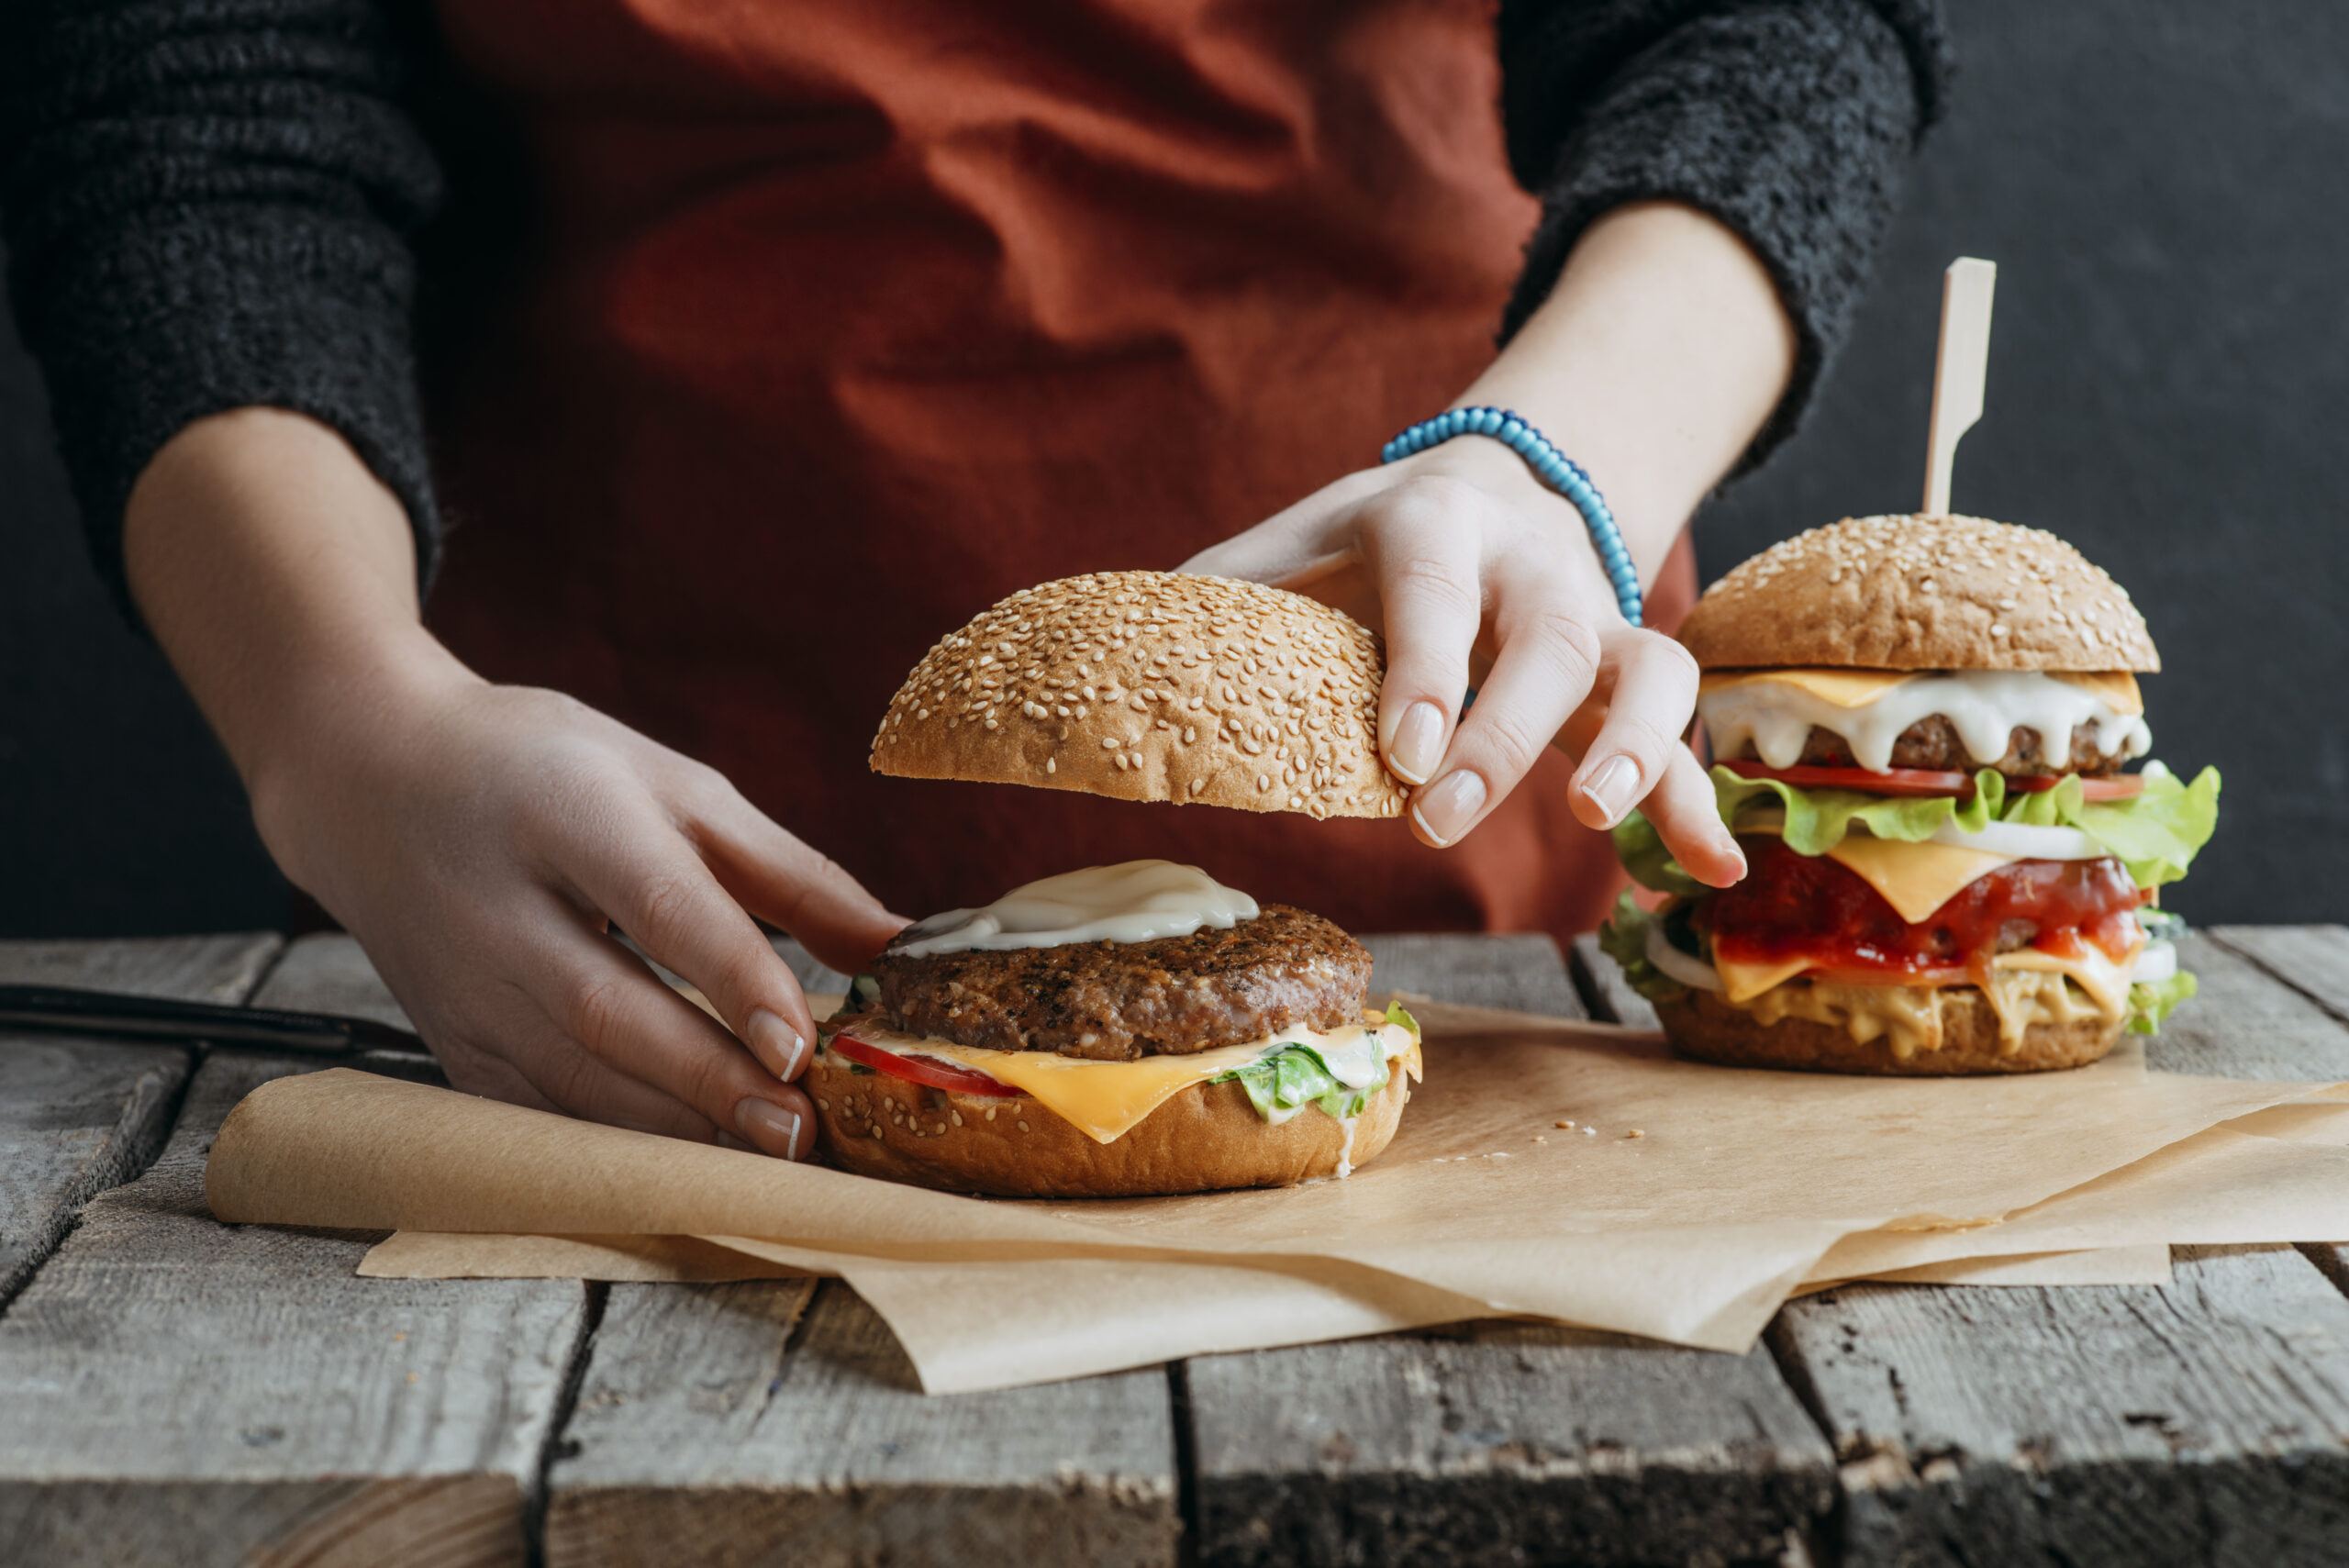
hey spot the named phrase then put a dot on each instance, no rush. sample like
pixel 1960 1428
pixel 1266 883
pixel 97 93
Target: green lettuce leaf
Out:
pixel 1624 938
pixel 1282 1082
pixel 2154 833
pixel 1817 819
pixel 1641 849
pixel 2149 1005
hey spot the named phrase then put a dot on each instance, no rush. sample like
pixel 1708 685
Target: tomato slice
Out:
pixel 1891 781
pixel 2120 787
pixel 920 1069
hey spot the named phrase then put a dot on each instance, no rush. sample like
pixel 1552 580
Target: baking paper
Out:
pixel 1683 1203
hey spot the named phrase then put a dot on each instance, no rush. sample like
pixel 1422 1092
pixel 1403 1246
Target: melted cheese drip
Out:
pixel 1139 901
pixel 2024 988
pixel 1774 710
pixel 1105 1100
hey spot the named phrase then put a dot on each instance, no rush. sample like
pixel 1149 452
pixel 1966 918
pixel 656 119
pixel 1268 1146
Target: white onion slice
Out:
pixel 2025 841
pixel 1688 970
pixel 2155 964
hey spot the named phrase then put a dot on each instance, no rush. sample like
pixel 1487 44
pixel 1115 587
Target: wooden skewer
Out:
pixel 1959 369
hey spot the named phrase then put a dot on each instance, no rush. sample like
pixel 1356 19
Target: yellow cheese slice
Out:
pixel 1105 1100
pixel 2106 983
pixel 2117 689
pixel 1915 879
pixel 1743 982
pixel 1843 688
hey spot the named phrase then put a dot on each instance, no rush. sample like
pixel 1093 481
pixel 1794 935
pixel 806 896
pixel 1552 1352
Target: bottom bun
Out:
pixel 1701 1025
pixel 1206 1138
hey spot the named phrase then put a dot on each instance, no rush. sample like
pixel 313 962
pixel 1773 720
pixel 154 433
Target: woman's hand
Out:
pixel 1653 362
pixel 1482 578
pixel 480 841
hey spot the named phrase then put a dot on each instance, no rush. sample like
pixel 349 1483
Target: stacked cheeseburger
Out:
pixel 1919 726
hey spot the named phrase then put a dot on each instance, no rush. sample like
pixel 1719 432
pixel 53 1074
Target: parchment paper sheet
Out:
pixel 1693 1232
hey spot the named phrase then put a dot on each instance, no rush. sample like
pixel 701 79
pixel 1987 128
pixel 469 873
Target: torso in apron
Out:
pixel 845 320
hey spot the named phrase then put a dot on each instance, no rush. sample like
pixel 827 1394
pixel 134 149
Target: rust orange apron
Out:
pixel 842 320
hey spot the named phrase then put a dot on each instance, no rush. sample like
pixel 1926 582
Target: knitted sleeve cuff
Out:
pixel 207 208
pixel 1792 122
pixel 184 312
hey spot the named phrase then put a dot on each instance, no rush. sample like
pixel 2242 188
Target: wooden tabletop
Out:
pixel 176 1391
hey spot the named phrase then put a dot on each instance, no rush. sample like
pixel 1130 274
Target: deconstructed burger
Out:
pixel 1137 1029
pixel 1120 1030
pixel 1920 726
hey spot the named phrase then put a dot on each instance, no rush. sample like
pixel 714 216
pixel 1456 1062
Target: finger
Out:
pixel 1686 813
pixel 1650 686
pixel 780 879
pixel 600 996
pixel 1545 669
pixel 646 876
pixel 1421 551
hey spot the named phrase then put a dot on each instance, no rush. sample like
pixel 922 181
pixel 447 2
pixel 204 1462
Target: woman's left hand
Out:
pixel 1480 577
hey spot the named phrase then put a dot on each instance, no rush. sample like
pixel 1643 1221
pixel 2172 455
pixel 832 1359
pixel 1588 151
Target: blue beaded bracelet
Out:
pixel 1552 467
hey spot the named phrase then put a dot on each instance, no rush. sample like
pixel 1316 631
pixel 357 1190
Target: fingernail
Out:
pixel 1612 787
pixel 1418 743
pixel 777 1044
pixel 1446 807
pixel 773 1129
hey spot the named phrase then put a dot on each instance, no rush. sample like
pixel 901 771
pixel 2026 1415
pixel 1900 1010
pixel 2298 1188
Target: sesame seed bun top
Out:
pixel 1153 685
pixel 1919 592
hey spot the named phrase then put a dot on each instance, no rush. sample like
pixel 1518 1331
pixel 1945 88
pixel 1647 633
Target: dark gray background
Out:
pixel 2163 185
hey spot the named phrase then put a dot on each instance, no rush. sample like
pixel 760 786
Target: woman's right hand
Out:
pixel 482 841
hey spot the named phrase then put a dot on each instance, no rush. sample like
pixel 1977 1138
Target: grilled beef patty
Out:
pixel 1932 742
pixel 1116 1001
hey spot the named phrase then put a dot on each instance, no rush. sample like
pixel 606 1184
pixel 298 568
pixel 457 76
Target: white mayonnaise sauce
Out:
pixel 1986 705
pixel 1139 901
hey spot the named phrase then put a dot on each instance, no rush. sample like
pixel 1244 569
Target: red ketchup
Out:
pixel 1791 906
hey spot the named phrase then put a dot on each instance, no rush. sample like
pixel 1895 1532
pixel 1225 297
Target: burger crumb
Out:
pixel 1540 1138
pixel 1567 1125
pixel 1590 1132
pixel 1635 1132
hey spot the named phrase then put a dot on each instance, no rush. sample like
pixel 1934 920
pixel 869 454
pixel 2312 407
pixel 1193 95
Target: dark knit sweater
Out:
pixel 214 203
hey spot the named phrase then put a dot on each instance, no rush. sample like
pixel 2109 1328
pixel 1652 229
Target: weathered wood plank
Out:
pixel 174 1391
pixel 2312 960
pixel 222 967
pixel 2243 1023
pixel 2205 1421
pixel 1522 970
pixel 705 1433
pixel 78 1116
pixel 1497 1442
pixel 326 972
pixel 1610 995
pixel 1500 1443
